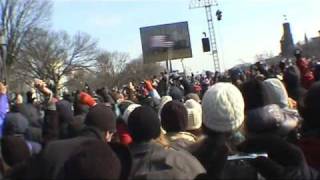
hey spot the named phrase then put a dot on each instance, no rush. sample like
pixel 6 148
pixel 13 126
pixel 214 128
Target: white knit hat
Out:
pixel 128 111
pixel 194 114
pixel 223 108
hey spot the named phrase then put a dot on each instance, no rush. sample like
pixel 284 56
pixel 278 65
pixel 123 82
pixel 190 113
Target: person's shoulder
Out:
pixel 65 144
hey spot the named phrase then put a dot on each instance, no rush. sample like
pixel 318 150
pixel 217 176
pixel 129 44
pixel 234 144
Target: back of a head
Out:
pixel 64 108
pixel 102 117
pixel 276 92
pixel 92 160
pixel 291 77
pixel 144 124
pixel 14 150
pixel 15 123
pixel 311 107
pixel 223 108
pixel 253 92
pixel 176 93
pixel 193 96
pixel 174 117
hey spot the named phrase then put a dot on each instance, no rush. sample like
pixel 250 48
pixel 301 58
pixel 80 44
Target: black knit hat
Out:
pixel 92 160
pixel 101 117
pixel 14 150
pixel 144 124
pixel 174 117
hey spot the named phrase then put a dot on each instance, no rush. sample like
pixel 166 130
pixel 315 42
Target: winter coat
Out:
pixel 181 140
pixel 64 109
pixel 56 153
pixel 213 152
pixel 152 161
pixel 310 145
pixel 50 129
pixel 272 119
pixel 4 108
pixel 292 80
pixel 307 75
pixel 76 125
pixel 162 87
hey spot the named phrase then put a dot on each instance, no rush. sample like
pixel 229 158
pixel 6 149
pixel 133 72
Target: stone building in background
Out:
pixel 286 42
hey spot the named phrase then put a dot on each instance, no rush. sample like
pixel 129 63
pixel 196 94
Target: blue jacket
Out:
pixel 4 108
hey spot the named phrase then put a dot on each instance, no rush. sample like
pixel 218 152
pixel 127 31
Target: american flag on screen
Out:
pixel 161 41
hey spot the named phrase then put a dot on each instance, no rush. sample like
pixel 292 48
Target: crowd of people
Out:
pixel 255 123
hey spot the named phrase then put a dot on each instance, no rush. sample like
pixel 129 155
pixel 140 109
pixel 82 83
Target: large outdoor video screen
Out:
pixel 165 42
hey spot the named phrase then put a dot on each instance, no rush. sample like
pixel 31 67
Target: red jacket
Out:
pixel 311 149
pixel 307 76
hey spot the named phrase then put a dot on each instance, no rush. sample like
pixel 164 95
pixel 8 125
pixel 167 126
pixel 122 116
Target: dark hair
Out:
pixel 254 94
pixel 14 150
pixel 311 107
pixel 174 117
pixel 92 160
pixel 144 124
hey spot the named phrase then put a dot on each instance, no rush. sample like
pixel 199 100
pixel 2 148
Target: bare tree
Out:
pixel 137 71
pixel 109 65
pixel 264 56
pixel 55 55
pixel 17 19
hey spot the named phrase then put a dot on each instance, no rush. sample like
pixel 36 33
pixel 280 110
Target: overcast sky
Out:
pixel 248 27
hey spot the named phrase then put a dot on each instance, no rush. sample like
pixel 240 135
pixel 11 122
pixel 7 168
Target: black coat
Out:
pixel 58 152
pixel 213 154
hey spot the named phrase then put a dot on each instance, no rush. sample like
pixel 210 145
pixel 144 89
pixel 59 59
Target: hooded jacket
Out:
pixel 56 153
pixel 272 119
pixel 152 161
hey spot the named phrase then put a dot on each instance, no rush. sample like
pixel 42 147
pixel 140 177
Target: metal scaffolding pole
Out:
pixel 207 4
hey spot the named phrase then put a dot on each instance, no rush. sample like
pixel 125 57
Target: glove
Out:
pixel 285 160
pixel 86 99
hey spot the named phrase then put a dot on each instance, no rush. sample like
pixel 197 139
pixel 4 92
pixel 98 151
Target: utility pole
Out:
pixel 207 4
